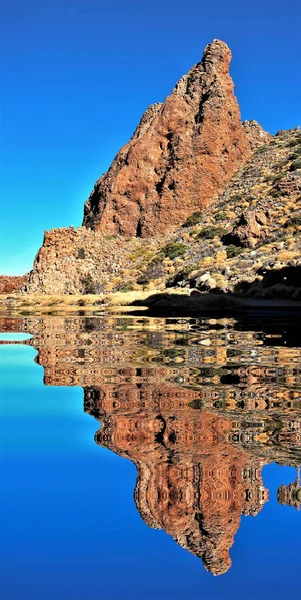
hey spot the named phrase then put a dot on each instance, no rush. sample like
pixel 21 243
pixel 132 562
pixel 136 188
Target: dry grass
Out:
pixel 44 304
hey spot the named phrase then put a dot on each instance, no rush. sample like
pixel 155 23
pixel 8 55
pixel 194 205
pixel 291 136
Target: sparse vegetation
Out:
pixel 89 286
pixel 195 218
pixel 208 233
pixel 296 164
pixel 173 250
pixel 294 221
pixel 233 251
pixel 220 216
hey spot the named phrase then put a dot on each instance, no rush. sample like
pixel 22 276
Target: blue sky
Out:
pixel 78 74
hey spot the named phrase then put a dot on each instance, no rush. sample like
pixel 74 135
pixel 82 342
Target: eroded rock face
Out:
pixel 181 155
pixel 10 283
pixel 256 135
pixel 248 230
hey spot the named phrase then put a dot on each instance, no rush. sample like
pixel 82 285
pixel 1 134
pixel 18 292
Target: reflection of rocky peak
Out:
pixel 192 482
pixel 181 155
pixel 198 421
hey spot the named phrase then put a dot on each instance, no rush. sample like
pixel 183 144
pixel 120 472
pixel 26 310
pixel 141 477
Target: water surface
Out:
pixel 149 458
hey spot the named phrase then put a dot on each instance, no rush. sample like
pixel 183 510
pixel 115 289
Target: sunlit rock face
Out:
pixel 181 155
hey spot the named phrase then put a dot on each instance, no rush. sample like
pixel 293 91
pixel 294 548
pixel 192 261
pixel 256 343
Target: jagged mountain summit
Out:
pixel 196 199
pixel 181 155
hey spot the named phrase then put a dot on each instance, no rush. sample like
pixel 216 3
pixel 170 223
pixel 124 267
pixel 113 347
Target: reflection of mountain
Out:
pixel 192 481
pixel 198 407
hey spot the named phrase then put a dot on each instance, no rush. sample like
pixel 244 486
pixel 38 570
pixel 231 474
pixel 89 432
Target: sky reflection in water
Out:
pixel 200 407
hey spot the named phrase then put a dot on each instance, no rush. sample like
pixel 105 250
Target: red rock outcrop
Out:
pixel 11 283
pixel 180 157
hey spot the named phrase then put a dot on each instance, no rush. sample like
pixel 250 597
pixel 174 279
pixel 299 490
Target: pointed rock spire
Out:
pixel 180 157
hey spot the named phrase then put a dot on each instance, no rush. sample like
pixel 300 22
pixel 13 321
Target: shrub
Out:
pixel 158 258
pixel 81 253
pixel 208 233
pixel 89 286
pixel 294 142
pixel 220 216
pixel 260 150
pixel 233 251
pixel 125 287
pixel 195 218
pixel 143 279
pixel 296 164
pixel 293 222
pixel 173 250
pixel 277 177
pixel 154 269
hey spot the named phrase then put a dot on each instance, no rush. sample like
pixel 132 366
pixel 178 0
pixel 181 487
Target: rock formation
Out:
pixel 181 155
pixel 11 283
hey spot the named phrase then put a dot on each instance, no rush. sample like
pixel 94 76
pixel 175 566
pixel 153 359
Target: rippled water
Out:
pixel 207 413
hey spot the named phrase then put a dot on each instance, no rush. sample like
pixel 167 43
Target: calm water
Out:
pixel 150 458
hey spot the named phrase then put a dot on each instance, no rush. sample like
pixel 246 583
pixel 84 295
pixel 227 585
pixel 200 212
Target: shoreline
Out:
pixel 174 302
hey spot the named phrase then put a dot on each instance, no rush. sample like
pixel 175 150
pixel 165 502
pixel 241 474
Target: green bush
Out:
pixel 278 177
pixel 260 150
pixel 220 216
pixel 294 142
pixel 208 233
pixel 296 164
pixel 233 251
pixel 195 218
pixel 175 249
pixel 158 259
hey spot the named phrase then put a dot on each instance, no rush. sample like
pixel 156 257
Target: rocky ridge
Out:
pixel 196 200
pixel 240 244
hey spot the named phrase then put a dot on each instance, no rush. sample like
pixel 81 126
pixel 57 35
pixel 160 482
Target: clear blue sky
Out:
pixel 78 74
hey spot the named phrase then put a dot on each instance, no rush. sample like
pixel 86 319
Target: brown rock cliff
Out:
pixel 181 155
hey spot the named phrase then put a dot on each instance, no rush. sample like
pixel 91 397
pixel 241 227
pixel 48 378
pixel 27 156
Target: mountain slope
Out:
pixel 252 231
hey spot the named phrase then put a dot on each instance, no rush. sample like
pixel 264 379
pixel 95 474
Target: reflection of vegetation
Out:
pixel 173 352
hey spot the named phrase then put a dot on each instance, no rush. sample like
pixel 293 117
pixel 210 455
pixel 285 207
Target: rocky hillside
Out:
pixel 240 244
pixel 196 199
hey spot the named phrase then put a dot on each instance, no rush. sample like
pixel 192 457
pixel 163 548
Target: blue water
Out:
pixel 70 529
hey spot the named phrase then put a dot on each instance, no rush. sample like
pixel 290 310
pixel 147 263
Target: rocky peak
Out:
pixel 180 157
pixel 256 135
